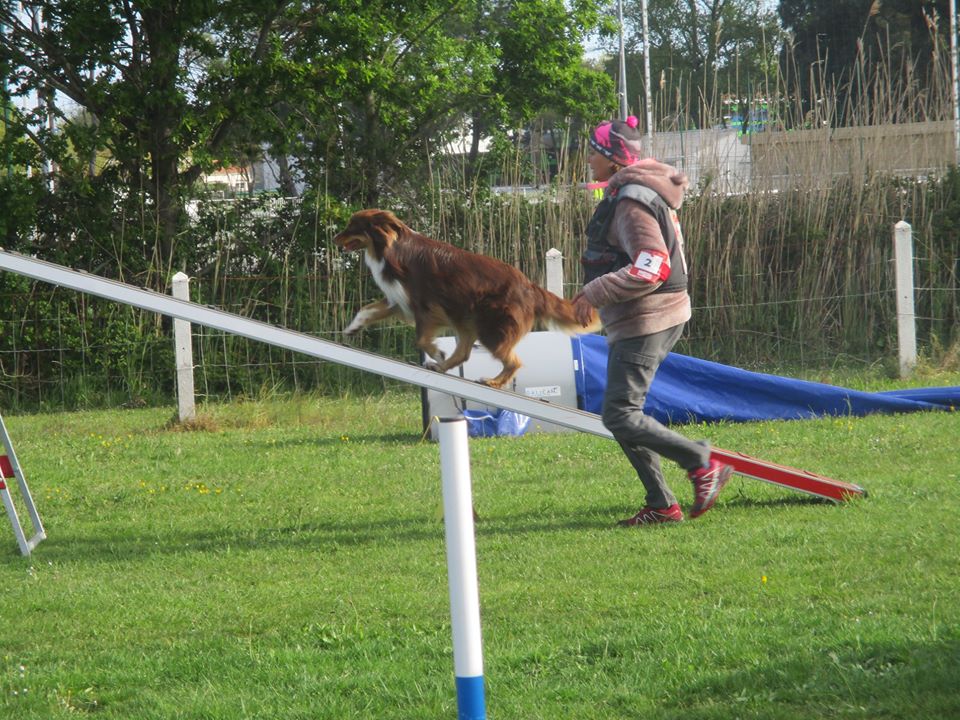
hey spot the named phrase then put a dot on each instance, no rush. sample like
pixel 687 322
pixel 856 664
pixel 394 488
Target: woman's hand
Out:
pixel 583 311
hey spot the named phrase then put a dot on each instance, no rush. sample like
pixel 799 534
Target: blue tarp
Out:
pixel 481 423
pixel 686 389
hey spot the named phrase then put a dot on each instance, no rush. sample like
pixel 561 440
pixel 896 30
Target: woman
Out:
pixel 635 275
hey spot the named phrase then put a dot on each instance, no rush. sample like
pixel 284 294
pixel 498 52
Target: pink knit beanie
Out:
pixel 618 140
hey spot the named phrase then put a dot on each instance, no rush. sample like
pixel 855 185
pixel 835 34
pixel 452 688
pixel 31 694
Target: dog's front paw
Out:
pixel 431 365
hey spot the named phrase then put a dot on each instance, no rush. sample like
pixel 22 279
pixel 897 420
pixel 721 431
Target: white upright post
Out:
pixel 555 272
pixel 183 340
pixel 623 65
pixel 955 85
pixel 648 95
pixel 462 569
pixel 906 318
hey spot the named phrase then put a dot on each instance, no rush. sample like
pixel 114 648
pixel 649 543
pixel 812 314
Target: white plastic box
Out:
pixel 548 372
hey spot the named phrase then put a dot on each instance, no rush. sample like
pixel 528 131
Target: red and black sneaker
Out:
pixel 707 484
pixel 654 516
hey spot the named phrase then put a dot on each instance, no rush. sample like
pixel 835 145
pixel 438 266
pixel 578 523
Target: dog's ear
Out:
pixel 387 226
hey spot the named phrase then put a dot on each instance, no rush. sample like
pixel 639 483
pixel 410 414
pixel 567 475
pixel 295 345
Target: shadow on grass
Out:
pixel 744 501
pixel 880 680
pixel 329 535
pixel 318 536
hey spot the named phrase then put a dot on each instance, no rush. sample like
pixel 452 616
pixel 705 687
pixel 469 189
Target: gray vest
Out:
pixel 601 258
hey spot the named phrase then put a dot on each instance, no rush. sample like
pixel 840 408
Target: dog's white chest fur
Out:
pixel 394 292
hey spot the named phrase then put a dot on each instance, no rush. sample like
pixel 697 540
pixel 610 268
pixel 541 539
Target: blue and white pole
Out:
pixel 462 568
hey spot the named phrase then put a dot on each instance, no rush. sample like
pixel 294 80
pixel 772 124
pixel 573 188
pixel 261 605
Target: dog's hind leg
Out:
pixel 461 353
pixel 500 339
pixel 369 314
pixel 426 331
pixel 511 364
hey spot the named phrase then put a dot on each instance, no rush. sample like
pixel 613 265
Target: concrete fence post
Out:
pixel 555 271
pixel 183 343
pixel 906 317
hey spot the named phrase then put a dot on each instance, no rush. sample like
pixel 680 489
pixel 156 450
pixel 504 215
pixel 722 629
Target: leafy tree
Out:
pixel 540 68
pixel 385 83
pixel 412 81
pixel 169 85
pixel 356 94
pixel 700 51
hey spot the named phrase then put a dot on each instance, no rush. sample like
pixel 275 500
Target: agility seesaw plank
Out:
pixel 405 372
pixel 789 477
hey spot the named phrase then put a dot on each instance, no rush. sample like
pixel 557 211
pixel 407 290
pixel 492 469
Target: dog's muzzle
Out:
pixel 348 243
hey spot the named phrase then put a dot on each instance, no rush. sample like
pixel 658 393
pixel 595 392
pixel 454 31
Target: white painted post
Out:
pixel 462 568
pixel 906 319
pixel 183 341
pixel 555 271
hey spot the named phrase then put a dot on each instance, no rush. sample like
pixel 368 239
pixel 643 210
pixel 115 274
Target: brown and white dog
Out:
pixel 434 285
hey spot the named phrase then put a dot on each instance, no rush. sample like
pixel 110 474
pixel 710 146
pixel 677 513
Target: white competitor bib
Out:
pixel 651 266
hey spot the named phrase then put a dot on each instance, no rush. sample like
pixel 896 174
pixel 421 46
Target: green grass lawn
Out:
pixel 287 561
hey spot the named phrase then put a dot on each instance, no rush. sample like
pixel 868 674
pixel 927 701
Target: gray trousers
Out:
pixel 631 365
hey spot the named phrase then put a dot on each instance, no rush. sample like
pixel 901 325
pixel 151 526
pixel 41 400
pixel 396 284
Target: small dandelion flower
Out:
pixel 763 579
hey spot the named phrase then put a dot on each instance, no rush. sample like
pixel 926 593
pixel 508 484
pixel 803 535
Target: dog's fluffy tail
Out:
pixel 556 313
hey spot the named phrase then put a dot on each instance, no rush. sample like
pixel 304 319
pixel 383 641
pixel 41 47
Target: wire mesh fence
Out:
pixel 61 350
